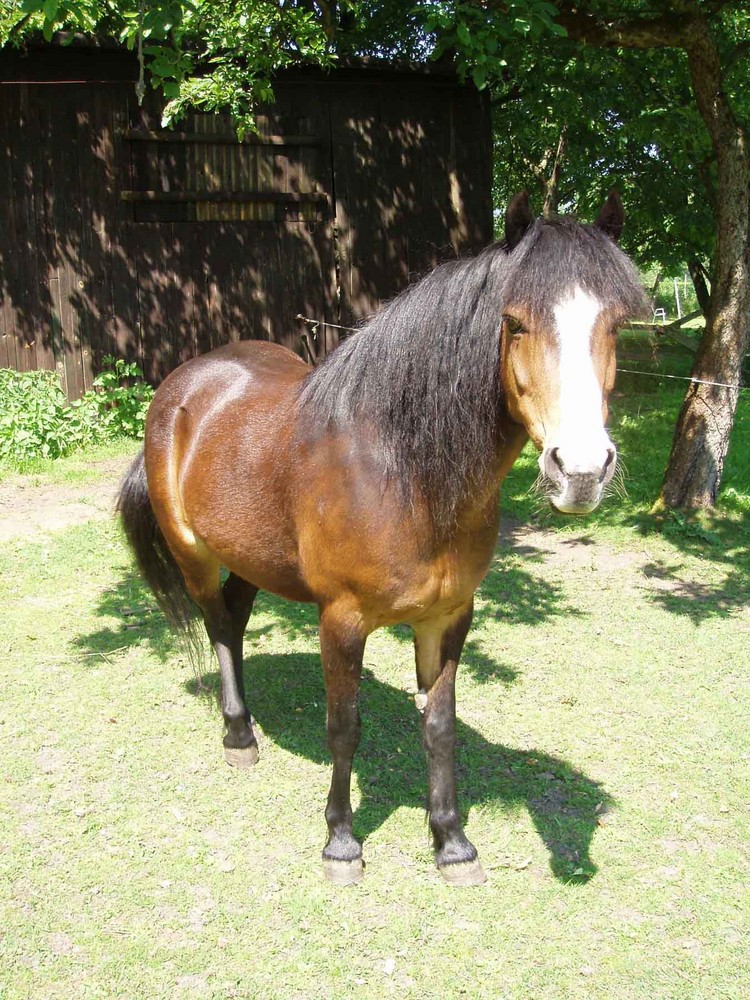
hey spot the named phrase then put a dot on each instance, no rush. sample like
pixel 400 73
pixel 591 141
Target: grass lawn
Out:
pixel 604 773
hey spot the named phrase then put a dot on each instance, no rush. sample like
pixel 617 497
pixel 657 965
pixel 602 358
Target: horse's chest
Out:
pixel 435 587
pixel 452 579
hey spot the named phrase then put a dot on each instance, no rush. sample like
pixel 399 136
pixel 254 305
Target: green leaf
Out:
pixel 479 76
pixel 463 34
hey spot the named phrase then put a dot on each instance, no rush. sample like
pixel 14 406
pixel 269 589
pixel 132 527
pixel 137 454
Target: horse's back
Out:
pixel 250 365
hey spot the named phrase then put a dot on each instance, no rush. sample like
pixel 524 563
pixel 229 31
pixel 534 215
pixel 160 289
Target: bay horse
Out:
pixel 369 485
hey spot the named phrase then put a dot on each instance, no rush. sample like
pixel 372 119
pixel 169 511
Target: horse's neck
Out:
pixel 512 439
pixel 483 500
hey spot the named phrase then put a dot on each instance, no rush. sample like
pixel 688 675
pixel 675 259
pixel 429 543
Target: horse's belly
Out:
pixel 244 522
pixel 260 553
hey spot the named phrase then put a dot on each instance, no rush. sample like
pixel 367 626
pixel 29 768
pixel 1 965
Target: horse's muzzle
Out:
pixel 576 489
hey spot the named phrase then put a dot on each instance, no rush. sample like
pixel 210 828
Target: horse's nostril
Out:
pixel 553 466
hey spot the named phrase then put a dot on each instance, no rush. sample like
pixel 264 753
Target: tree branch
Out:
pixel 674 30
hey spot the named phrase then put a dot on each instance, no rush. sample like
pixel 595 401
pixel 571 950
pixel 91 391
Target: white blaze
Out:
pixel 580 438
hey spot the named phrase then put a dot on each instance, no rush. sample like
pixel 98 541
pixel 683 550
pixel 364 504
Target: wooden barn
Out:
pixel 120 237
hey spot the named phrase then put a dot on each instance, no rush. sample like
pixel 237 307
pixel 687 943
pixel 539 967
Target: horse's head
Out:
pixel 567 291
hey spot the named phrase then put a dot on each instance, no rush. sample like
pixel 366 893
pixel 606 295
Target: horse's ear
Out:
pixel 612 216
pixel 518 218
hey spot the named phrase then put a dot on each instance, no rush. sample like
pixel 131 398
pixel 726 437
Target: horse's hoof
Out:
pixel 243 757
pixel 343 872
pixel 464 873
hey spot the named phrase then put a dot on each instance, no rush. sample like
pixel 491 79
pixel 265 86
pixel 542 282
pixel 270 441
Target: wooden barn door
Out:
pixel 65 291
pixel 233 239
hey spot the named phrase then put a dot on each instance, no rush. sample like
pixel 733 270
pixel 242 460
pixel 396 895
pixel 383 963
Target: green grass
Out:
pixel 604 775
pixel 80 468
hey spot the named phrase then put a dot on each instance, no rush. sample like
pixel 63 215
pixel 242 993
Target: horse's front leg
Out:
pixel 438 649
pixel 342 645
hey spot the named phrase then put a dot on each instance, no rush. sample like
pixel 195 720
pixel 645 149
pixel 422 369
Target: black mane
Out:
pixel 424 371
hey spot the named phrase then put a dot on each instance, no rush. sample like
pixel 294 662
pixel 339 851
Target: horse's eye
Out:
pixel 513 326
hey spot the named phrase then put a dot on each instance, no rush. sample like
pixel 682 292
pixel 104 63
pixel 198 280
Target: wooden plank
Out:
pixel 368 199
pixel 292 197
pixel 7 250
pixel 24 279
pixel 305 111
pixel 155 308
pixel 220 138
pixel 47 340
pixel 672 330
pixel 14 251
pixel 67 216
pixel 265 211
pixel 87 296
pixel 123 264
pixel 471 128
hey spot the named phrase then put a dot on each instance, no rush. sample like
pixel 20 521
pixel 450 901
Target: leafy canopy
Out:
pixel 211 54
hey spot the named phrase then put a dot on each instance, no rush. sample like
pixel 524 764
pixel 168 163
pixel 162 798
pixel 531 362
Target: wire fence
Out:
pixel 314 323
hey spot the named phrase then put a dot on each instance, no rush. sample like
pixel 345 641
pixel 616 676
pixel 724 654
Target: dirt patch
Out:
pixel 579 550
pixel 26 509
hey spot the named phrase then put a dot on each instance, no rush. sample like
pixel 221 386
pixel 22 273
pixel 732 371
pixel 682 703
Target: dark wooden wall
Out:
pixel 118 237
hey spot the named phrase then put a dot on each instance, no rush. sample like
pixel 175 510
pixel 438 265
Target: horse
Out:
pixel 369 484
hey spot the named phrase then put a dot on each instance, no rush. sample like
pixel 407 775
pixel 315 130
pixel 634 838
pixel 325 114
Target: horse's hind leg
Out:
pixel 225 614
pixel 239 596
pixel 342 646
pixel 240 746
pixel 437 651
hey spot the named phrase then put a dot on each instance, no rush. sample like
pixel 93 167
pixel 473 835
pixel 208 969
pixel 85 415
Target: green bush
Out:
pixel 37 421
pixel 120 399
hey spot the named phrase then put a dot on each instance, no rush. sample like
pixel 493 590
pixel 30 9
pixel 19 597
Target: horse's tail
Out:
pixel 155 561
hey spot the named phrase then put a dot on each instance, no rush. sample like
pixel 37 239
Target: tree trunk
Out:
pixel 552 187
pixel 701 437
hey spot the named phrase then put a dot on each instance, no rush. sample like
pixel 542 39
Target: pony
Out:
pixel 369 485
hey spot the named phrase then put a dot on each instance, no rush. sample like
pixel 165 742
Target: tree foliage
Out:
pixel 640 133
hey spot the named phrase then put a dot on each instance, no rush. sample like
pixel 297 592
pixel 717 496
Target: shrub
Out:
pixel 37 421
pixel 120 399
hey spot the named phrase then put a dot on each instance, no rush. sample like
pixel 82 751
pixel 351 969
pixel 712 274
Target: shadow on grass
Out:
pixel 140 621
pixel 287 697
pixel 509 593
pixel 713 538
pixel 695 600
